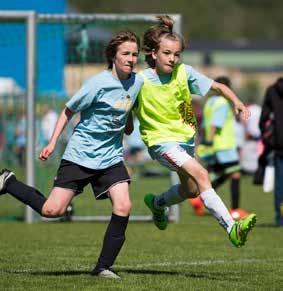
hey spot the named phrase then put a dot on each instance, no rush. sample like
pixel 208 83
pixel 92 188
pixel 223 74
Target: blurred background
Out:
pixel 241 39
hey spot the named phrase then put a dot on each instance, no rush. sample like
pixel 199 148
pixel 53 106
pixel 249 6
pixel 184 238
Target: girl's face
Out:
pixel 125 59
pixel 167 56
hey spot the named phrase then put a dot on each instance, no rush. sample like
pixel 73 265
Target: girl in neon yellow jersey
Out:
pixel 168 126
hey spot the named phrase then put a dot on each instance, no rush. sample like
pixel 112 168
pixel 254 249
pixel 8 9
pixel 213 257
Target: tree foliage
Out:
pixel 205 19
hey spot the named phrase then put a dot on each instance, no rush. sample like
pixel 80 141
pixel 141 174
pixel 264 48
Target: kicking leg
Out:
pixel 57 202
pixel 54 206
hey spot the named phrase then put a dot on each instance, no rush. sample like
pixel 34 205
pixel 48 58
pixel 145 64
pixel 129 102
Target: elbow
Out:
pixel 69 113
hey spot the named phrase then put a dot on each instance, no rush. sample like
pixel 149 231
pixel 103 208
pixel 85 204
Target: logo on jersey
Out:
pixel 125 103
pixel 187 114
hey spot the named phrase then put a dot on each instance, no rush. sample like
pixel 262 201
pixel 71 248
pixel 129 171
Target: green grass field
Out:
pixel 194 254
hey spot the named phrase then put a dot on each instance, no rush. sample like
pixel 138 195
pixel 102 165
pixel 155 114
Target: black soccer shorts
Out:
pixel 73 176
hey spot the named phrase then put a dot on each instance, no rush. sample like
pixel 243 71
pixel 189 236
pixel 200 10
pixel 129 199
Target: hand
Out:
pixel 240 108
pixel 46 152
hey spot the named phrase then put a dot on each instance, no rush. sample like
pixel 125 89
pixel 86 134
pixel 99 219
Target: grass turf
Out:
pixel 194 254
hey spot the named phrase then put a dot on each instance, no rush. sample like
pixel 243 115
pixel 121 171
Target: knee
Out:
pixel 191 192
pixel 52 210
pixel 123 208
pixel 195 193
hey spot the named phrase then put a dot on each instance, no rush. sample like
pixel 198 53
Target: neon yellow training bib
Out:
pixel 224 139
pixel 165 111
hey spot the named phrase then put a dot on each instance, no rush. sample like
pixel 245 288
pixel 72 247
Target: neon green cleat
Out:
pixel 240 230
pixel 159 216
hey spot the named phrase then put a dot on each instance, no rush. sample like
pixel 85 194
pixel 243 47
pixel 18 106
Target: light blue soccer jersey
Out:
pixel 218 119
pixel 104 103
pixel 198 83
pixel 220 114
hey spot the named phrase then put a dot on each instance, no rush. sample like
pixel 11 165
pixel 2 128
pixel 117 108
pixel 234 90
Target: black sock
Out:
pixel 26 194
pixel 235 193
pixel 113 241
pixel 218 181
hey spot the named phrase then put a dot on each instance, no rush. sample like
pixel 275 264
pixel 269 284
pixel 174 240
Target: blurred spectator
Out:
pixel 9 137
pixel 20 135
pixel 219 147
pixel 250 150
pixel 271 120
pixel 48 122
pixel 240 135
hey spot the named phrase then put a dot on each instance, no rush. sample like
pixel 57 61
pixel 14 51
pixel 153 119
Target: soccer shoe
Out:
pixel 238 213
pixel 4 176
pixel 105 273
pixel 198 206
pixel 159 215
pixel 241 228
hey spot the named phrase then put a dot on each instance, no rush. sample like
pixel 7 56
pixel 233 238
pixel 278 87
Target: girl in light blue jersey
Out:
pixel 94 153
pixel 168 125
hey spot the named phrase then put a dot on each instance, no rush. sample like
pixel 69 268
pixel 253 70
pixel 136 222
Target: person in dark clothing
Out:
pixel 271 121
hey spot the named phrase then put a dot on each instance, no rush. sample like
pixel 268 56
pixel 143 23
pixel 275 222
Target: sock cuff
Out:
pixel 207 193
pixel 12 179
pixel 119 218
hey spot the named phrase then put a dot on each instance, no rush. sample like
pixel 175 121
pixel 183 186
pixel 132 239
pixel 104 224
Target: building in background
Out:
pixel 50 47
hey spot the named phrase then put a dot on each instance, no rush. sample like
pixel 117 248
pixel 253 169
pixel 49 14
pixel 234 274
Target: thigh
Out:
pixel 72 176
pixel 172 155
pixel 105 179
pixel 119 193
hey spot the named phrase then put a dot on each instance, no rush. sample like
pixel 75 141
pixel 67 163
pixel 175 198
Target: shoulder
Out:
pixel 194 75
pixel 189 69
pixel 97 79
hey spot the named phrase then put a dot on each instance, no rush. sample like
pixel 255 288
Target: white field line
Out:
pixel 160 264
pixel 198 263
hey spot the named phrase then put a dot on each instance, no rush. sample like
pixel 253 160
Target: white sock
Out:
pixel 217 208
pixel 168 198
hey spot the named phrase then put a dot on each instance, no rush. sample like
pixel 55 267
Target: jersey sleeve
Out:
pixel 85 97
pixel 198 83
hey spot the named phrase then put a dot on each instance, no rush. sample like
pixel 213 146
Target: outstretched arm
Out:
pixel 62 121
pixel 226 92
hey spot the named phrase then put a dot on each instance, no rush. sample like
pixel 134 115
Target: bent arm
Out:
pixel 227 93
pixel 65 116
pixel 61 123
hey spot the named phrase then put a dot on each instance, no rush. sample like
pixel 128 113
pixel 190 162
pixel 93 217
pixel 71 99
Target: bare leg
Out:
pixel 57 202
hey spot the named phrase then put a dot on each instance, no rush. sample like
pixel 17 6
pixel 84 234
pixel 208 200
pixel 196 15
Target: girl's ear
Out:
pixel 153 54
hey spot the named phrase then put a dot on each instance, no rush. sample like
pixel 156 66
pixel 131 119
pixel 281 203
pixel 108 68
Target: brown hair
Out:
pixel 152 37
pixel 117 40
